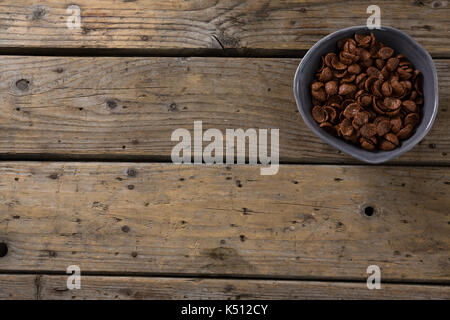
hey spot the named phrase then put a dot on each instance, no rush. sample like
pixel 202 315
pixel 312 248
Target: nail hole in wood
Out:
pixel 369 211
pixel 3 249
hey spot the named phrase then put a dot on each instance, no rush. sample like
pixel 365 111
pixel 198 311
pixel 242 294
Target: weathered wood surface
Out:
pixel 128 107
pixel 17 287
pixel 104 287
pixel 306 222
pixel 203 24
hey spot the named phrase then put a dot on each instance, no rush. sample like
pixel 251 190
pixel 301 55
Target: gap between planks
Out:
pixel 237 277
pixel 130 159
pixel 185 53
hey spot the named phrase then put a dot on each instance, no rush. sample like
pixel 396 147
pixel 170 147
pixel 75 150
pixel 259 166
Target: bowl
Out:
pixel 401 43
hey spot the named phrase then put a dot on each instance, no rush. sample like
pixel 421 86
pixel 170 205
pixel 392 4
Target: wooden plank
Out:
pixel 128 107
pixel 53 287
pixel 203 24
pixel 95 287
pixel 17 287
pixel 306 222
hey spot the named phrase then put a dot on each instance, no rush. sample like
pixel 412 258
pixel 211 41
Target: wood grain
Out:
pixel 94 287
pixel 127 108
pixel 306 222
pixel 53 287
pixel 203 24
pixel 17 287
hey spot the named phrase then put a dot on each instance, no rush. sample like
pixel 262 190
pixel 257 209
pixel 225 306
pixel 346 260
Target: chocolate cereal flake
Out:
pixel 367 94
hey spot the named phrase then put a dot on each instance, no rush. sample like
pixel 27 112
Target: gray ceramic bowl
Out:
pixel 401 43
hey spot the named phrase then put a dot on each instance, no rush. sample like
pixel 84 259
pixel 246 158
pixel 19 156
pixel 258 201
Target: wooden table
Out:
pixel 86 176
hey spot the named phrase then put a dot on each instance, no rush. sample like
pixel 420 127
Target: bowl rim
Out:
pixel 382 156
